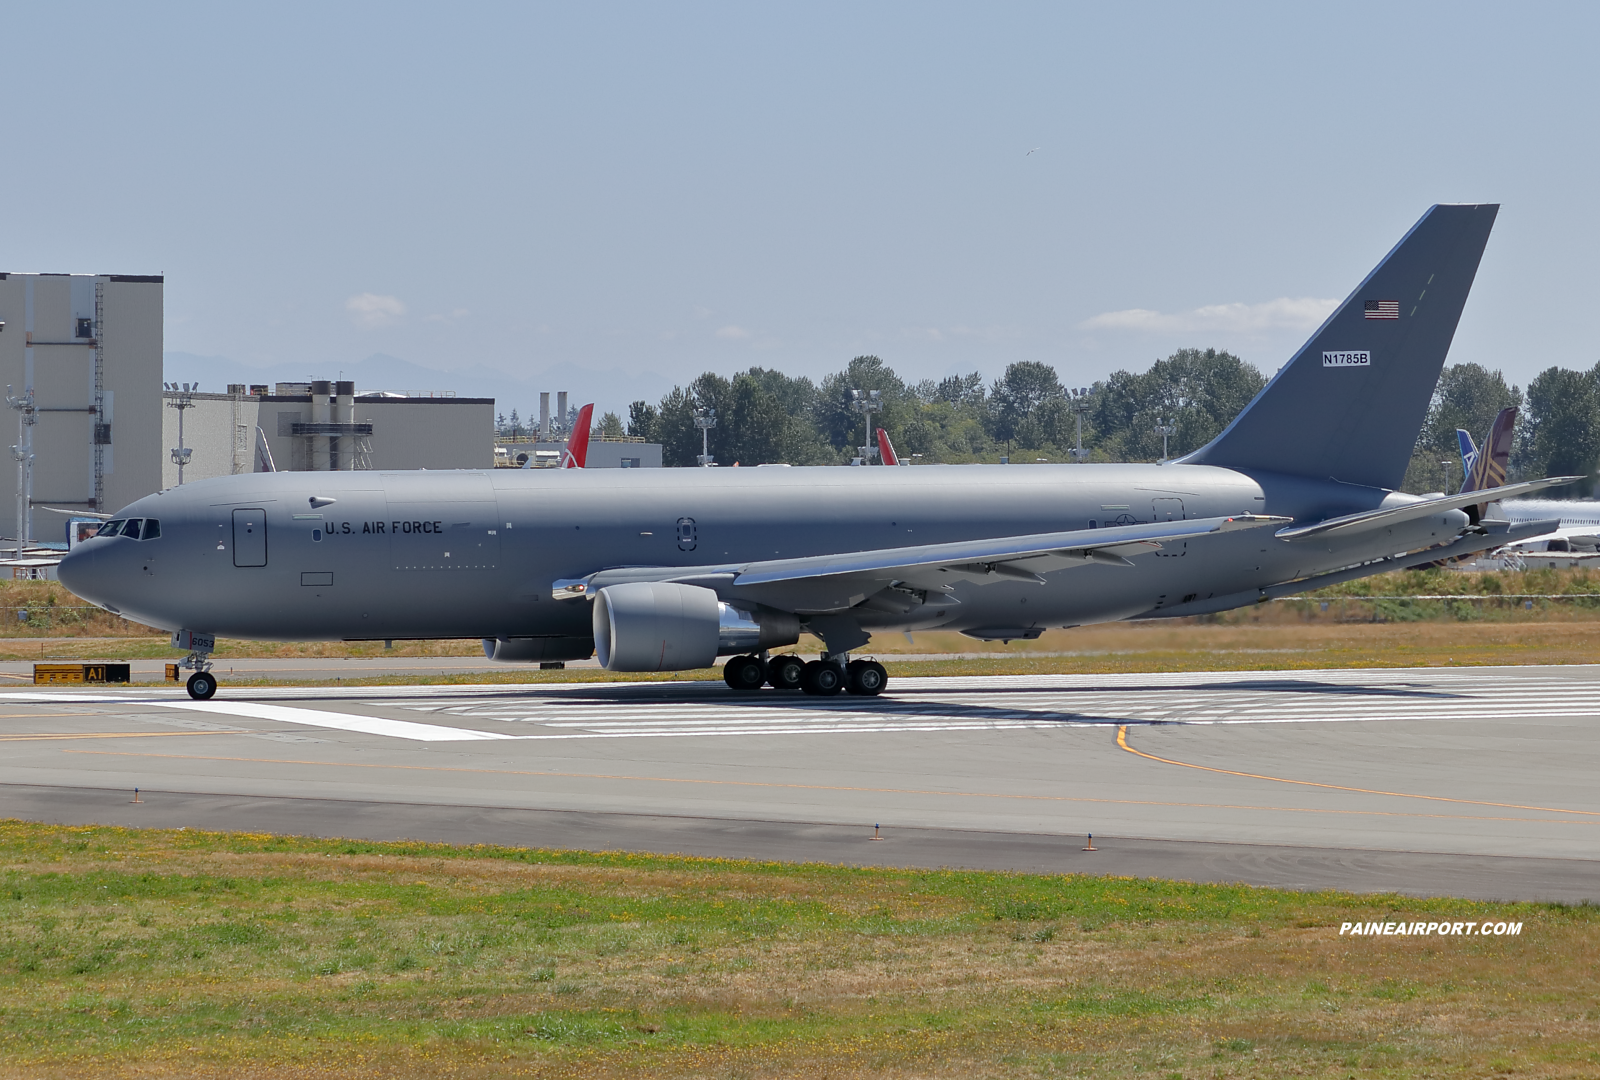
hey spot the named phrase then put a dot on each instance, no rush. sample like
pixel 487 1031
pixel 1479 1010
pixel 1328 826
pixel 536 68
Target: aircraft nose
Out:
pixel 87 572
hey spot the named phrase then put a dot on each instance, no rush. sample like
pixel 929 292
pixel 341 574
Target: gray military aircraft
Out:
pixel 667 570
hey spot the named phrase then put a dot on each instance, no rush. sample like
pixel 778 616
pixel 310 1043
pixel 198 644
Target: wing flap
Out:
pixel 1007 558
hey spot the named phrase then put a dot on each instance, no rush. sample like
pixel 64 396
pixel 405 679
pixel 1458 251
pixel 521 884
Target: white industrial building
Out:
pixel 321 426
pixel 81 354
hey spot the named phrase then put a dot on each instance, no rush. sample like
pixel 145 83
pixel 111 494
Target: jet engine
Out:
pixel 532 650
pixel 662 626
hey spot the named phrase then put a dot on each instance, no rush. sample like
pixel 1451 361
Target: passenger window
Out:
pixel 152 529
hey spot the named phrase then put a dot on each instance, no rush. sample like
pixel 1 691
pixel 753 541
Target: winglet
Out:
pixel 577 451
pixel 886 448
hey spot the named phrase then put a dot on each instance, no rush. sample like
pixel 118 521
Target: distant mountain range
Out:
pixel 611 391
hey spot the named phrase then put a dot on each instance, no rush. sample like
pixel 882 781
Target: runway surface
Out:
pixel 1472 782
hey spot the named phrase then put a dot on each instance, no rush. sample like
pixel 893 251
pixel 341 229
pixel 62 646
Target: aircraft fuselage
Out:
pixel 375 555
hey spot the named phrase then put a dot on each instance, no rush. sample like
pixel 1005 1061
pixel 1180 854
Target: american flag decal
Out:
pixel 1382 309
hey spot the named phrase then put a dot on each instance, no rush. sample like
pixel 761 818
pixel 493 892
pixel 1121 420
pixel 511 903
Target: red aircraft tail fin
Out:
pixel 886 448
pixel 577 451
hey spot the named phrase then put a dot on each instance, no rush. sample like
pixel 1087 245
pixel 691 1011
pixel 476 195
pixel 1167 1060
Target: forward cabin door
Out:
pixel 250 537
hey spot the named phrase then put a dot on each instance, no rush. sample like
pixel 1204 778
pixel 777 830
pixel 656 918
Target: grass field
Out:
pixel 155 954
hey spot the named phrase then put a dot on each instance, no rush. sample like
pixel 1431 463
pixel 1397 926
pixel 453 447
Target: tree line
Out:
pixel 1028 414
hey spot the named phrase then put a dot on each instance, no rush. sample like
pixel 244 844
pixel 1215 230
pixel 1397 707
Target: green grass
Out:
pixel 179 953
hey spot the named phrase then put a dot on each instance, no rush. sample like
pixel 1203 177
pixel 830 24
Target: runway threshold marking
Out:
pixel 1122 741
pixel 821 787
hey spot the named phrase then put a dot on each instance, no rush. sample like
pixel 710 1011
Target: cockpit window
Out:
pixel 152 529
pixel 111 528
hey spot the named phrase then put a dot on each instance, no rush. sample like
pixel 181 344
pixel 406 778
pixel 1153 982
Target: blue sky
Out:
pixel 612 198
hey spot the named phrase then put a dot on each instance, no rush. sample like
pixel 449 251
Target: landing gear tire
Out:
pixel 866 677
pixel 822 680
pixel 744 673
pixel 202 686
pixel 785 672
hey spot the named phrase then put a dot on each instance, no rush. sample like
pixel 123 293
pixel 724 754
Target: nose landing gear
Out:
pixel 202 684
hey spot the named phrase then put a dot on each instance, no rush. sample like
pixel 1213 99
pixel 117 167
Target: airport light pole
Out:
pixel 1081 404
pixel 705 420
pixel 179 399
pixel 1165 429
pixel 867 402
pixel 1447 463
pixel 27 416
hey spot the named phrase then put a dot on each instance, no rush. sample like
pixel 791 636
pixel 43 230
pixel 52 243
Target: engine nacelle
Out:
pixel 534 650
pixel 662 626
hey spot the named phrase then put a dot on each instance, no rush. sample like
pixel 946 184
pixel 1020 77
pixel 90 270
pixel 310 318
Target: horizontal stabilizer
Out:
pixel 1470 544
pixel 1382 519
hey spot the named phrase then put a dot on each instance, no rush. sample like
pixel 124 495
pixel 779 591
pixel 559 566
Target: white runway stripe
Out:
pixel 369 725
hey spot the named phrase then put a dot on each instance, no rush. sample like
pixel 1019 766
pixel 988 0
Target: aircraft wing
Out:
pixel 1371 520
pixel 830 582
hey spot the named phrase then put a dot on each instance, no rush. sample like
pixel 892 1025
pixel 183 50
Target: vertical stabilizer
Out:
pixel 1488 468
pixel 264 462
pixel 1350 403
pixel 1469 454
pixel 886 449
pixel 577 451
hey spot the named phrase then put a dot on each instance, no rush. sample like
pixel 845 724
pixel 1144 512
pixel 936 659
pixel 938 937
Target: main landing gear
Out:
pixel 820 678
